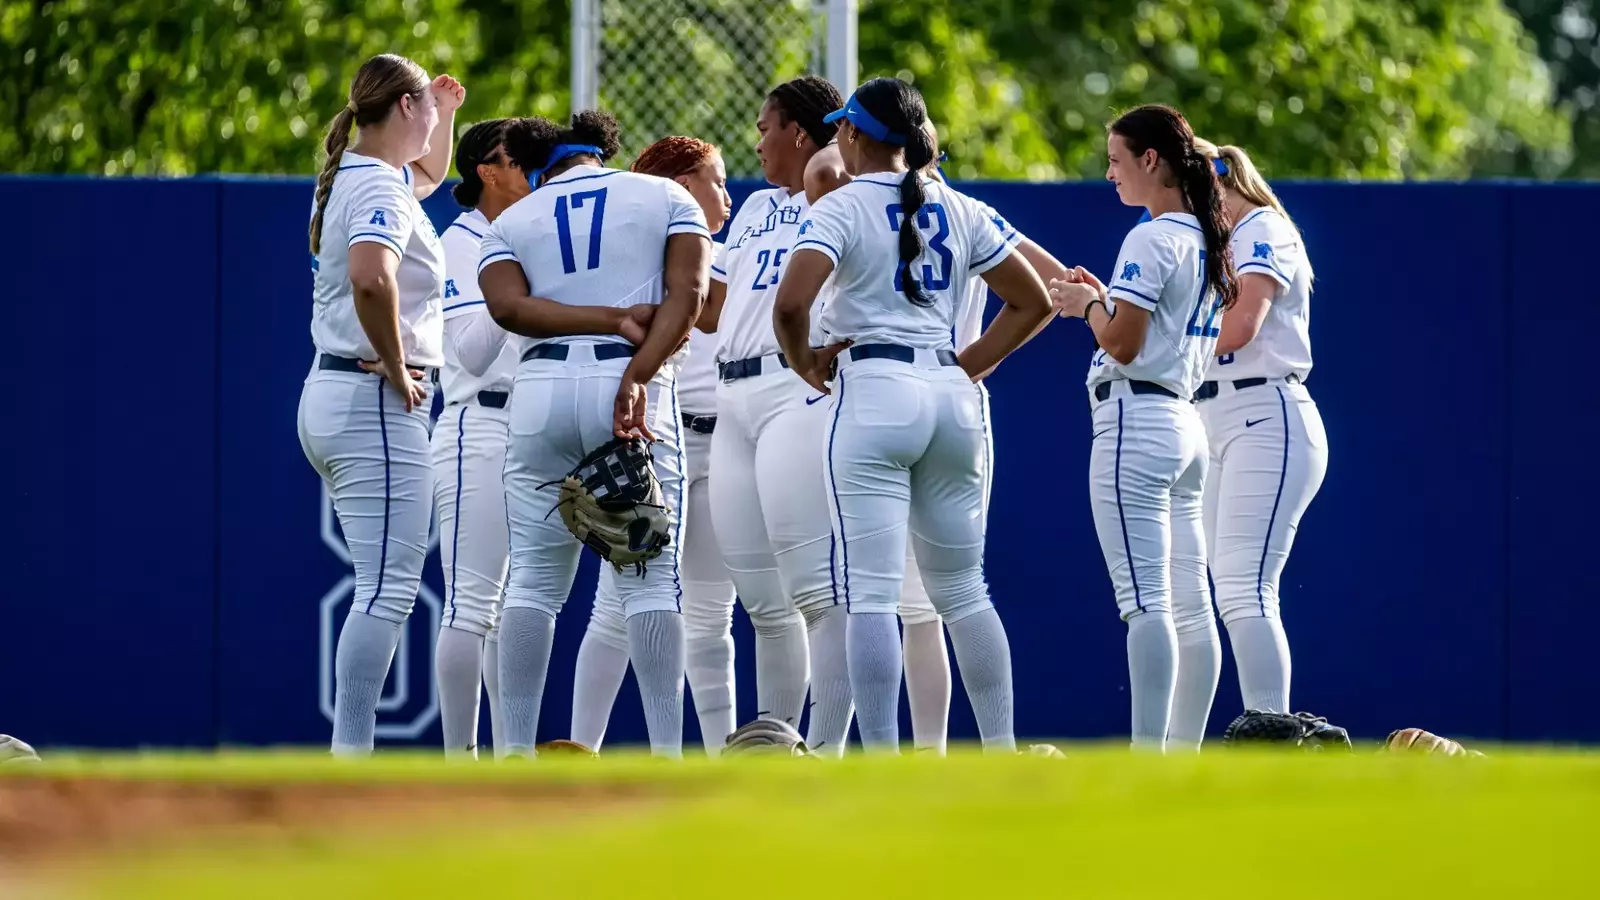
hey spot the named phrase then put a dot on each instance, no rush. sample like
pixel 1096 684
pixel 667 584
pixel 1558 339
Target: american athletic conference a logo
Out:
pixel 400 717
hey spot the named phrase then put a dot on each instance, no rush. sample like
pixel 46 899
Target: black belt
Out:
pixel 745 368
pixel 327 362
pixel 1103 389
pixel 494 399
pixel 898 354
pixel 1208 389
pixel 560 351
pixel 699 424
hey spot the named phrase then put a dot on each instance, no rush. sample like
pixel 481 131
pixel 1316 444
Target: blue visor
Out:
pixel 860 118
pixel 564 151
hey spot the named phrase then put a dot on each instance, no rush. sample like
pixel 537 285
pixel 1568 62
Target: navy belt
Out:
pixel 494 399
pixel 327 362
pixel 898 354
pixel 745 368
pixel 560 351
pixel 1208 389
pixel 699 424
pixel 1103 389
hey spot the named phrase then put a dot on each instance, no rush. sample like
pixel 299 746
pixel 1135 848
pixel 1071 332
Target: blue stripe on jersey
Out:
pixel 466 229
pixel 361 166
pixel 997 251
pixel 688 223
pixel 464 305
pixel 498 253
pixel 1176 222
pixel 392 244
pixel 1129 290
pixel 719 270
pixel 819 244
pixel 1253 264
pixel 579 178
pixel 405 172
pixel 888 184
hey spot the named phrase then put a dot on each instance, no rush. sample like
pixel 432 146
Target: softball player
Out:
pixel 564 268
pixel 469 445
pixel 1157 328
pixel 1268 450
pixel 767 493
pixel 707 588
pixel 378 276
pixel 904 444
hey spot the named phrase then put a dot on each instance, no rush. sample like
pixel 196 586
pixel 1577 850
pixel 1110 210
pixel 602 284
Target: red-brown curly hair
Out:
pixel 673 156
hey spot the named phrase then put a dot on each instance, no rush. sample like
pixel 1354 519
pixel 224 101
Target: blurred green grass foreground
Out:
pixel 1101 823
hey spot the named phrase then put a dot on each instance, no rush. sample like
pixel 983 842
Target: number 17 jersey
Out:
pixel 594 237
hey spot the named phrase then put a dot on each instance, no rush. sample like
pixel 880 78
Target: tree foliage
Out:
pixel 1019 88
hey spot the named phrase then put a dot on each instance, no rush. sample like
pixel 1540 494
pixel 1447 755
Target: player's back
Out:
pixel 858 226
pixel 595 237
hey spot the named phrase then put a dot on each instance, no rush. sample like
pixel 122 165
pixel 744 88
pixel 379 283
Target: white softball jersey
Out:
pixel 372 202
pixel 969 309
pixel 1161 269
pixel 851 226
pixel 759 242
pixel 697 380
pixel 473 342
pixel 1265 243
pixel 588 237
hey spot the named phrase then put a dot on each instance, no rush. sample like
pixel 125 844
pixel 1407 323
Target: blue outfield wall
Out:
pixel 174 576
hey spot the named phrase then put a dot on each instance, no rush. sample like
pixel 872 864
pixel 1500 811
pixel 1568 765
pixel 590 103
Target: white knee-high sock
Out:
pixel 360 665
pixel 655 644
pixel 927 684
pixel 526 636
pixel 782 668
pixel 709 663
pixel 458 668
pixel 984 655
pixel 1152 673
pixel 872 642
pixel 1199 667
pixel 491 686
pixel 1261 653
pixel 832 705
pixel 595 682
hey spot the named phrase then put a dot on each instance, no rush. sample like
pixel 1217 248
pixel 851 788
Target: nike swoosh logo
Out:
pixel 1249 423
pixel 815 399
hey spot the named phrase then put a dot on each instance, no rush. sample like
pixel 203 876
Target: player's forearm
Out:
pixel 1243 321
pixel 1121 340
pixel 792 325
pixel 476 340
pixel 537 317
pixel 1010 329
pixel 711 312
pixel 433 168
pixel 378 311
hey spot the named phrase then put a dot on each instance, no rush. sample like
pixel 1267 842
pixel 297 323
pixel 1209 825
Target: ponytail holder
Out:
pixel 1221 165
pixel 560 152
pixel 351 106
pixel 943 157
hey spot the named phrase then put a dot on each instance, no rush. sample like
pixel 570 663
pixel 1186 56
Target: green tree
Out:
pixel 1569 40
pixel 1342 88
pixel 174 87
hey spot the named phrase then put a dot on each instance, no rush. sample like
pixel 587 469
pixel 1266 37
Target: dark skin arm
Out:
pixel 1048 267
pixel 1027 306
pixel 507 296
pixel 686 274
pixel 711 313
pixel 803 277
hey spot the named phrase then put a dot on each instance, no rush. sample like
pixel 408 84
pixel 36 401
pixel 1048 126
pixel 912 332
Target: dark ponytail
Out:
pixel 1165 130
pixel 900 107
pixel 475 147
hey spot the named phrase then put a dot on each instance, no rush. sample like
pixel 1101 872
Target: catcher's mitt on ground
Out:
pixel 765 737
pixel 1299 730
pixel 1415 740
pixel 612 502
pixel 15 751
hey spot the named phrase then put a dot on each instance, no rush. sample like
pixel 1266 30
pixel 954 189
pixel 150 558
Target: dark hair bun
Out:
pixel 529 142
pixel 593 126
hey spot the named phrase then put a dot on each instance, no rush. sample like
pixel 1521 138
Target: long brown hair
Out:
pixel 1165 130
pixel 378 86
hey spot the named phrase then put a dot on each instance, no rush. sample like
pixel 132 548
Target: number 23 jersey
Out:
pixel 858 227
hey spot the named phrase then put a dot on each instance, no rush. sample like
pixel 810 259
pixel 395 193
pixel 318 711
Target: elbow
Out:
pixel 1123 351
pixel 370 287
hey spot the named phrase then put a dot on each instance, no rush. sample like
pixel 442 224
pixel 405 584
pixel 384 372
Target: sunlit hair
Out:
pixel 1243 178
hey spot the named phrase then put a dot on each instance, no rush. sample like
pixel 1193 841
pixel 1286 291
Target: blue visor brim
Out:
pixel 858 116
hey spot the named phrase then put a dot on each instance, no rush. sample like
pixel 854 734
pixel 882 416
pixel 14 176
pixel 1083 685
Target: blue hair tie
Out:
pixel 858 116
pixel 1221 165
pixel 560 152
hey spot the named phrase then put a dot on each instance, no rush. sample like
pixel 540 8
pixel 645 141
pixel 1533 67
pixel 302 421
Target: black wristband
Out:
pixel 1090 305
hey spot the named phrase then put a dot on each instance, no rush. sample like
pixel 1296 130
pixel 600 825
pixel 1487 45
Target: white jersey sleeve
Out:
pixel 381 212
pixel 1144 267
pixel 475 347
pixel 684 215
pixel 827 230
pixel 985 237
pixel 493 249
pixel 969 311
pixel 1264 244
pixel 462 249
pixel 1267 244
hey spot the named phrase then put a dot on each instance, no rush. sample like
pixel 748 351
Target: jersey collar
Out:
pixel 577 170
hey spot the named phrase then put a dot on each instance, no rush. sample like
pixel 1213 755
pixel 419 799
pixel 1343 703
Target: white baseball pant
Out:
pixel 708 597
pixel 1147 470
pixel 916 608
pixel 374 457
